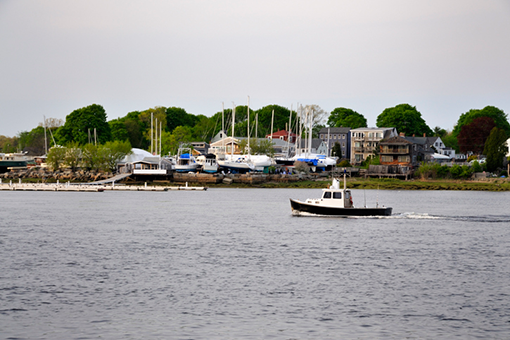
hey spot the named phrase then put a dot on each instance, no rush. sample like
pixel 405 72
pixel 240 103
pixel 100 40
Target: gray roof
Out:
pixel 335 130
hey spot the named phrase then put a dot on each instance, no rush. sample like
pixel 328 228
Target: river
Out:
pixel 236 264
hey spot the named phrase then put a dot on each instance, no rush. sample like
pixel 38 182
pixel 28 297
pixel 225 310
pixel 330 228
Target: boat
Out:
pixel 336 201
pixel 237 163
pixel 185 161
pixel 18 160
pixel 208 163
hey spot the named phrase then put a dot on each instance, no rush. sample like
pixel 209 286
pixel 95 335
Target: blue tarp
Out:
pixel 184 156
pixel 308 160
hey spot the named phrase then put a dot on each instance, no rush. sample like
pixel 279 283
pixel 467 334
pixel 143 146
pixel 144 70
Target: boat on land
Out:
pixel 186 162
pixel 18 160
pixel 207 163
pixel 336 201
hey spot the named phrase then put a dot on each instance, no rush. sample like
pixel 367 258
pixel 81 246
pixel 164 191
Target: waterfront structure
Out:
pixel 340 135
pixel 364 142
pixel 396 151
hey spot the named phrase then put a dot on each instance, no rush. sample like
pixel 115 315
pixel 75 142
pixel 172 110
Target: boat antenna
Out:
pixel 365 196
pixel 345 181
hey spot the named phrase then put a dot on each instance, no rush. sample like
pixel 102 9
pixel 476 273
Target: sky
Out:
pixel 443 56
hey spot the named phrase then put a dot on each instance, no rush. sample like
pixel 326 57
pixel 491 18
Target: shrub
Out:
pixel 344 164
pixel 301 167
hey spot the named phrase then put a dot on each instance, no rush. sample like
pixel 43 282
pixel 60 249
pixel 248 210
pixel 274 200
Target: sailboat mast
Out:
pixel 248 115
pixel 288 134
pixel 233 124
pixel 223 127
pixel 272 120
pixel 45 139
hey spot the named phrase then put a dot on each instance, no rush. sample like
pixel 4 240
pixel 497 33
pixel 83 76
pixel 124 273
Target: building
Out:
pixel 365 141
pixel 283 135
pixel 201 147
pixel 396 151
pixel 318 147
pixel 340 135
pixel 425 147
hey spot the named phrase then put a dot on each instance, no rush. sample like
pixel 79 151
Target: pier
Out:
pixel 70 187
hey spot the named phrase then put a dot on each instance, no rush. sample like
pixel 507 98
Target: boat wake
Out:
pixel 420 216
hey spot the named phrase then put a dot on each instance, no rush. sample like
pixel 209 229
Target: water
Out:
pixel 235 264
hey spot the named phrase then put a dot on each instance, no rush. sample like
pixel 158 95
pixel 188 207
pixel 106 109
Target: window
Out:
pixel 322 136
pixel 337 195
pixel 403 159
pixel 387 159
pixel 327 194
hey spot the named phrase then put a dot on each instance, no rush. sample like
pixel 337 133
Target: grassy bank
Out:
pixel 395 184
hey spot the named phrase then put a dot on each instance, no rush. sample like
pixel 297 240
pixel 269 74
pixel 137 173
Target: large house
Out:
pixel 340 135
pixel 396 151
pixel 364 141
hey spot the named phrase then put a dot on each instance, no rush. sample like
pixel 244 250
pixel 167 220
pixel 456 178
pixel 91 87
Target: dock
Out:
pixel 72 187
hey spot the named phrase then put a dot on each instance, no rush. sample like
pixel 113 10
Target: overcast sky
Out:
pixel 443 56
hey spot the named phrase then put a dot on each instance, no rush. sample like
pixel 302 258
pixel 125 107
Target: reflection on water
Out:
pixel 236 264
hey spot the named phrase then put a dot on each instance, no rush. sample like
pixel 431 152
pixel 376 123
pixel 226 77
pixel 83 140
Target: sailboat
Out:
pixel 236 163
pixel 312 159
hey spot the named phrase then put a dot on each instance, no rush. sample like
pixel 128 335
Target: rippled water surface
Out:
pixel 236 264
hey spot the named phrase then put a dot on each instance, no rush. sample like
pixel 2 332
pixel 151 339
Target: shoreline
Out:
pixel 303 181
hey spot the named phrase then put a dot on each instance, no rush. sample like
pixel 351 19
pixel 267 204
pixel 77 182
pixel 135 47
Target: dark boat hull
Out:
pixel 322 210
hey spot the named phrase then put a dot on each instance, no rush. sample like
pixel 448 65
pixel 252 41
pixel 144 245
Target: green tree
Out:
pixel 337 150
pixel 279 122
pixel 8 144
pixel 405 118
pixel 159 123
pixel 180 135
pixel 135 129
pixel 80 122
pixel 440 132
pixel 176 116
pixel 90 157
pixel 495 149
pixel 451 141
pixel 118 129
pixel 499 117
pixel 73 155
pixel 343 117
pixel 56 156
pixel 477 167
pixel 257 147
pixel 112 152
pixel 204 128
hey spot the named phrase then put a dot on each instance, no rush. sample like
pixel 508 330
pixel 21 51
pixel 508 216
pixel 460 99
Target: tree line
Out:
pixel 173 126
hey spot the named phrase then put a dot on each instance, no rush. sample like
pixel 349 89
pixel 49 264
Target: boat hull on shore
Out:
pixel 303 207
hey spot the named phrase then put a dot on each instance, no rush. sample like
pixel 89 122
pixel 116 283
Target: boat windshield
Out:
pixel 337 195
pixel 327 194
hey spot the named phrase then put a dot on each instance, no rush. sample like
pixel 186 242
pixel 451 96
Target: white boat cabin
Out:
pixel 333 196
